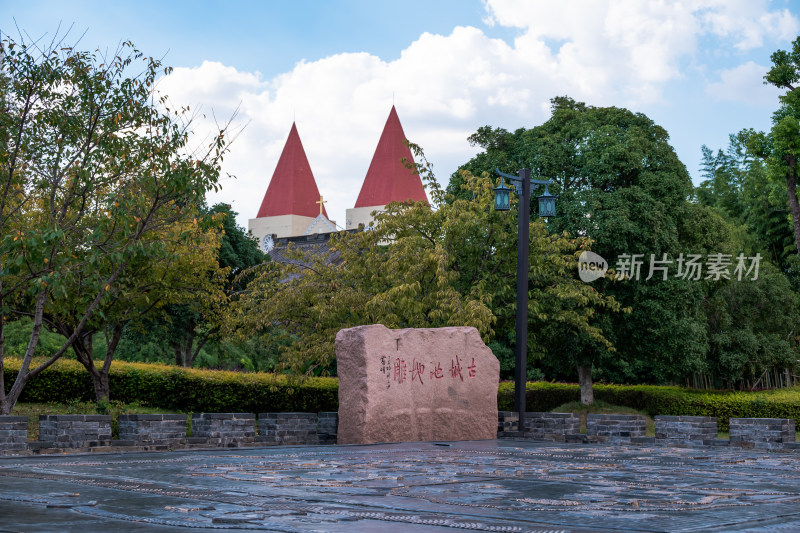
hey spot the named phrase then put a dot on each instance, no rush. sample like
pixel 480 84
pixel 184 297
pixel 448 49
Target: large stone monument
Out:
pixel 415 385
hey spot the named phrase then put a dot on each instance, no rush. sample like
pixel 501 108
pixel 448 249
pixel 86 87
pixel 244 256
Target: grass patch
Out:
pixel 601 407
pixel 33 410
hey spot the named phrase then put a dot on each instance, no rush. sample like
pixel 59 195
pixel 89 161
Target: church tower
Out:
pixel 292 205
pixel 388 179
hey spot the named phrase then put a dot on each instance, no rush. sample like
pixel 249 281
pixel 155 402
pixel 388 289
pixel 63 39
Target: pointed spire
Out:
pixel 292 189
pixel 388 180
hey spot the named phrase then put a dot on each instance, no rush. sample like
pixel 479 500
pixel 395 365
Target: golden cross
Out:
pixel 321 204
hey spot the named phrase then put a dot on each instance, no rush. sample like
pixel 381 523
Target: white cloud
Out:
pixel 747 22
pixel 744 83
pixel 445 86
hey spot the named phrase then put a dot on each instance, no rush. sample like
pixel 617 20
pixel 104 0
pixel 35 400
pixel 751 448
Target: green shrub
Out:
pixel 661 400
pixel 194 390
pixel 181 389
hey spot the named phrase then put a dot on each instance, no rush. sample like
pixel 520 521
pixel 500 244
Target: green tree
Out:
pixel 190 325
pixel 186 270
pixel 451 263
pixel 94 165
pixel 737 185
pixel 620 184
pixel 750 324
pixel 780 148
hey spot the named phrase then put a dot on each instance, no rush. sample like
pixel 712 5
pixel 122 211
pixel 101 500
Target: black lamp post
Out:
pixel 547 208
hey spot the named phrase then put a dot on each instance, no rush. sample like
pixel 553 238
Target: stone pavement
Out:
pixel 503 486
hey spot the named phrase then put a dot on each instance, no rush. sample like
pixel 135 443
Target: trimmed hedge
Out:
pixel 181 389
pixel 661 400
pixel 217 391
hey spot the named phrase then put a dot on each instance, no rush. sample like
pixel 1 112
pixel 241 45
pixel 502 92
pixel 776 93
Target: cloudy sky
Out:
pixel 450 66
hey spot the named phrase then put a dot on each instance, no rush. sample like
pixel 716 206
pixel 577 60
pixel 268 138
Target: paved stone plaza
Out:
pixel 504 485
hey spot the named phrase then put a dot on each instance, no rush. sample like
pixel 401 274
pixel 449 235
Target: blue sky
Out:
pixel 450 66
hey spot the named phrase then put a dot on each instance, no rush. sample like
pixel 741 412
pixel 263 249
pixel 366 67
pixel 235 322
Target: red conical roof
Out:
pixel 292 189
pixel 388 180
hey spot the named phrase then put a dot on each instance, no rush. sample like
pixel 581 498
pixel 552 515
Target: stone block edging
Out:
pixel 762 433
pixel 685 430
pixel 229 430
pixel 602 427
pixel 153 429
pixel 551 426
pixel 74 431
pixel 13 433
pixel 147 432
pixel 287 428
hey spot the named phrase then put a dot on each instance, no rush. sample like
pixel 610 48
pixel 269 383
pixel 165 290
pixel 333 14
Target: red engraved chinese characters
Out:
pixel 417 371
pixel 399 370
pixel 455 369
pixel 396 370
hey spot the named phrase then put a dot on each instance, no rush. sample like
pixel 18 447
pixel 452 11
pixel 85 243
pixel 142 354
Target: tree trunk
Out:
pixel 2 355
pixel 194 353
pixel 178 354
pixel 183 350
pixel 10 400
pixel 100 382
pixel 794 206
pixel 84 353
pixel 585 381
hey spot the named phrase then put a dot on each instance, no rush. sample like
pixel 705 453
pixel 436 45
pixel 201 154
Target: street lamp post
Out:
pixel 547 208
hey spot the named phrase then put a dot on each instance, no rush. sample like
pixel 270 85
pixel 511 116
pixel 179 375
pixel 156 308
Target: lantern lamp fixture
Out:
pixel 502 200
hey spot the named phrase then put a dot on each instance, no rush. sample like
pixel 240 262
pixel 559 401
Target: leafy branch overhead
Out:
pixel 96 178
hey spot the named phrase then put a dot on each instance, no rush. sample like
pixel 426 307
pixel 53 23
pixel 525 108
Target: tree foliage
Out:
pixel 186 273
pixel 446 264
pixel 620 184
pixel 190 323
pixel 95 167
pixel 780 148
pixel 751 326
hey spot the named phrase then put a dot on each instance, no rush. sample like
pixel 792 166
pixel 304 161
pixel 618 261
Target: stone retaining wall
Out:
pixel 160 430
pixel 13 433
pixel 157 432
pixel 685 430
pixel 287 428
pixel 765 433
pixel 74 431
pixel 507 423
pixel 223 429
pixel 614 428
pixel 327 426
pixel 551 426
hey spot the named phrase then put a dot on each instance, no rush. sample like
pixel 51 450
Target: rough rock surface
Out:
pixel 415 385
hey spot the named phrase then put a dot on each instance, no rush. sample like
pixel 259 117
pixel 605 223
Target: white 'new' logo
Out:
pixel 591 266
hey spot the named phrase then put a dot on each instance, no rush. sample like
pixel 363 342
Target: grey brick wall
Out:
pixel 223 429
pixel 551 426
pixel 765 433
pixel 614 428
pixel 168 430
pixel 685 430
pixel 13 433
pixel 291 428
pixel 507 423
pixel 74 431
pixel 327 427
